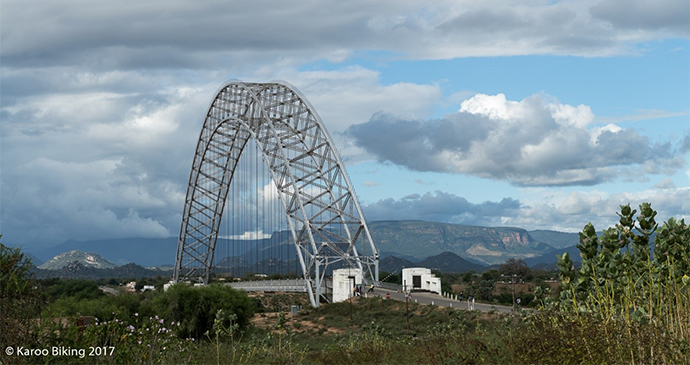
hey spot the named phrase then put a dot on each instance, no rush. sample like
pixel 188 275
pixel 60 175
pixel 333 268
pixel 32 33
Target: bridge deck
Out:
pixel 285 285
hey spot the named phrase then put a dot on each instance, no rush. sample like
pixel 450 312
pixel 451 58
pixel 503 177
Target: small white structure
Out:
pixel 420 278
pixel 344 280
pixel 131 286
pixel 148 287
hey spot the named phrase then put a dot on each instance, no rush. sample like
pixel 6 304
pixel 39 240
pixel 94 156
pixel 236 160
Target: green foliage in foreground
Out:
pixel 438 336
pixel 196 307
pixel 620 280
pixel 621 288
pixel 19 301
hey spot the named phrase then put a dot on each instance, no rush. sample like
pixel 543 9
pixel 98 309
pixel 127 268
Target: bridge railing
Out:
pixel 284 285
pixel 298 285
pixel 390 286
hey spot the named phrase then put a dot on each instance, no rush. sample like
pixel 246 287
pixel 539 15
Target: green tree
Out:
pixel 196 307
pixel 514 266
pixel 19 301
pixel 491 275
pixel 78 288
pixel 481 289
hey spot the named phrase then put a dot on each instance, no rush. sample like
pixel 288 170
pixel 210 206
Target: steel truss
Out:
pixel 323 214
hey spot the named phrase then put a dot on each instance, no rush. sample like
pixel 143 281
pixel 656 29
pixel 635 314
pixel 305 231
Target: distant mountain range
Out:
pixel 76 264
pixel 77 270
pixel 413 241
pixel 483 245
pixel 445 262
pixel 92 266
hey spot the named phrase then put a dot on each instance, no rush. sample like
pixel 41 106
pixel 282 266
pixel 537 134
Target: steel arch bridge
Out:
pixel 323 214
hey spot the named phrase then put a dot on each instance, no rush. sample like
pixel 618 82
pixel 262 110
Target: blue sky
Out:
pixel 536 114
pixel 647 92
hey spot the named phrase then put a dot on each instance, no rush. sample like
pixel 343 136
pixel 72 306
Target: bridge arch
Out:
pixel 323 214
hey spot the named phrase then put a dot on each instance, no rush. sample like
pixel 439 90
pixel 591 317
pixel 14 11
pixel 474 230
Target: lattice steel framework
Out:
pixel 322 211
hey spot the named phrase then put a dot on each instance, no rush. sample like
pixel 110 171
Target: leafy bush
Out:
pixel 480 289
pixel 78 288
pixel 196 307
pixel 623 294
pixel 19 301
pixel 104 308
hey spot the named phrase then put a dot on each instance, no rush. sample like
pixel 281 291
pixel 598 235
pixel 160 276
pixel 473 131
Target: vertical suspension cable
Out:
pixel 233 233
pixel 242 206
pixel 247 209
pixel 256 207
pixel 256 193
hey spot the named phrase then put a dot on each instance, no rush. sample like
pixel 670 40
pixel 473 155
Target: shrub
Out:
pixel 196 307
pixel 78 288
pixel 623 293
pixel 19 301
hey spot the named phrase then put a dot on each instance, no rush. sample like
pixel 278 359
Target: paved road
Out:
pixel 433 298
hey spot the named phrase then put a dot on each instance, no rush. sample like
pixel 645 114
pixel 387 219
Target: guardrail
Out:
pixel 390 286
pixel 286 285
pixel 295 285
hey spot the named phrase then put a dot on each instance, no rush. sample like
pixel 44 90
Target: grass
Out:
pixel 377 333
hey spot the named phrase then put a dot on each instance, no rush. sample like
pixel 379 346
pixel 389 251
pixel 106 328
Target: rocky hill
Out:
pixel 448 262
pixel 92 260
pixel 394 265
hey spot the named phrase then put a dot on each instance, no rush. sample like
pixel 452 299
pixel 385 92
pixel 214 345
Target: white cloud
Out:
pixel 351 95
pixel 596 132
pixel 249 235
pixel 578 204
pixel 665 184
pixel 571 212
pixel 534 141
pixel 494 107
pixel 567 115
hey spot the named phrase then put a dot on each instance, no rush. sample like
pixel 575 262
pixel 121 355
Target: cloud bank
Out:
pixel 190 34
pixel 442 207
pixel 567 212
